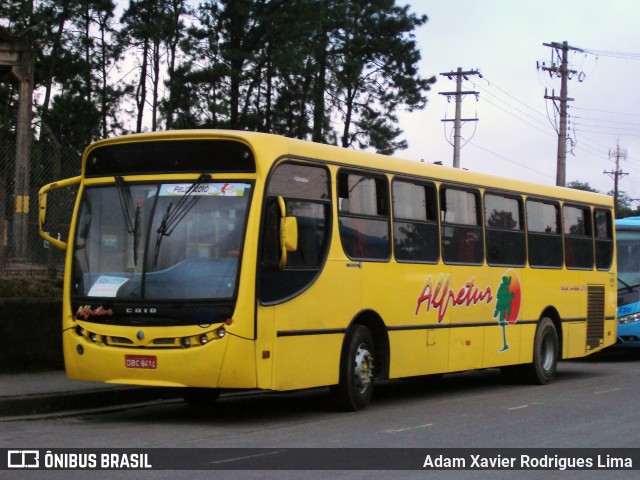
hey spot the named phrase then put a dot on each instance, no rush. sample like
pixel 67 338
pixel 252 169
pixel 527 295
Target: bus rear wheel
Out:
pixel 546 350
pixel 356 371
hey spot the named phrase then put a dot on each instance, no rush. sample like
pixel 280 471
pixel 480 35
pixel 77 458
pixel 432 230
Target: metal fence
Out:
pixel 48 163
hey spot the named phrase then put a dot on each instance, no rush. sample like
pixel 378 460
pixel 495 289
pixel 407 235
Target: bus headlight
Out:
pixel 221 332
pixel 635 317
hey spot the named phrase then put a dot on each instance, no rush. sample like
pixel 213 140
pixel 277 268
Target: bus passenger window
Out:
pixel 415 224
pixel 364 216
pixel 578 243
pixel 544 234
pixel 504 230
pixel 461 227
pixel 604 238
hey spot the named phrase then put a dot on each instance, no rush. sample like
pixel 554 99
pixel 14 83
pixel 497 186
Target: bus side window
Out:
pixel 461 227
pixel 305 190
pixel 415 222
pixel 603 238
pixel 364 216
pixel 504 230
pixel 578 241
pixel 544 235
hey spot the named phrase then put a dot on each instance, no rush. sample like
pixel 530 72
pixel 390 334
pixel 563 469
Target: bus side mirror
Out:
pixel 288 233
pixel 42 211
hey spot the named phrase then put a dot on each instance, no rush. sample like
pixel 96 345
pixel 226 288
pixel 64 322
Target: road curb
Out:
pixel 42 404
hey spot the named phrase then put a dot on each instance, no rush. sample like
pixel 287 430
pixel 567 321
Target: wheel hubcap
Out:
pixel 363 373
pixel 547 353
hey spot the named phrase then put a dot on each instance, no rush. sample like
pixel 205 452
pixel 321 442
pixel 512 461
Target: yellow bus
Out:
pixel 212 260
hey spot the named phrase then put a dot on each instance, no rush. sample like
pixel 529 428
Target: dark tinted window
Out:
pixel 504 230
pixel 603 238
pixel 415 227
pixel 364 216
pixel 578 243
pixel 461 228
pixel 170 156
pixel 544 234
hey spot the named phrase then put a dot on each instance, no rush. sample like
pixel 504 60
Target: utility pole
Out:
pixel 617 174
pixel 562 70
pixel 458 94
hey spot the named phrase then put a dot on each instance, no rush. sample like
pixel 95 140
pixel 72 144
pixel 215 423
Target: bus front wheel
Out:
pixel 356 371
pixel 546 350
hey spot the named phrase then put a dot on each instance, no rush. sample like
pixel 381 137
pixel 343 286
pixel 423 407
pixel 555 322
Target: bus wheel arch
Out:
pixel 364 358
pixel 551 313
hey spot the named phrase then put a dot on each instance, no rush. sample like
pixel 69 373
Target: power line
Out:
pixel 493 84
pixel 605 53
pixel 522 120
pixel 606 111
pixel 508 159
pixel 607 122
pixel 601 132
pixel 512 107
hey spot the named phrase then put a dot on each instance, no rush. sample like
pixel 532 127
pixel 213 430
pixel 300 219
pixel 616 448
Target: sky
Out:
pixel 515 135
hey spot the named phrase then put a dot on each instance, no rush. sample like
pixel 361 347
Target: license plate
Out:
pixel 140 361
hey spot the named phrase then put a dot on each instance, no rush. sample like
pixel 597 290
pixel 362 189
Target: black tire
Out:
pixel 201 397
pixel 356 371
pixel 546 350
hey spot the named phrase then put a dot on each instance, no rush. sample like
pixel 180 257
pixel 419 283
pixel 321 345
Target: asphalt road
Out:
pixel 592 404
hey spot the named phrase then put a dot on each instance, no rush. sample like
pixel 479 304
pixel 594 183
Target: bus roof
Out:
pixel 279 146
pixel 628 222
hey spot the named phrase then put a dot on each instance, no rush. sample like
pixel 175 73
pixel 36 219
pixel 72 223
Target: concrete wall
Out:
pixel 30 335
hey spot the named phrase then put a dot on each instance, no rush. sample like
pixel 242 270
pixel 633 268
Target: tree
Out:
pixel 332 71
pixel 578 185
pixel 375 69
pixel 241 34
pixel 109 53
pixel 291 67
pixel 153 27
pixel 175 29
pixel 57 14
pixel 82 85
pixel 624 207
pixel 137 25
pixel 201 88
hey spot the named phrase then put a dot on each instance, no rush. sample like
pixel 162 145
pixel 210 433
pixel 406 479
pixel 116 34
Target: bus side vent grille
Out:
pixel 595 316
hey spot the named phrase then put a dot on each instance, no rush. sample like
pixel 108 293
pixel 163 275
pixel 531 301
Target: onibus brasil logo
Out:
pixel 508 297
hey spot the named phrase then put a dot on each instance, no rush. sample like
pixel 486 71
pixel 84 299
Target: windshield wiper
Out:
pixel 126 203
pixel 130 213
pixel 174 215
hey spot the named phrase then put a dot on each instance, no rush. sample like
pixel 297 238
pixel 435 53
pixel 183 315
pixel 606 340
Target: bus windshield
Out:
pixel 160 241
pixel 628 243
